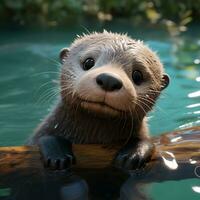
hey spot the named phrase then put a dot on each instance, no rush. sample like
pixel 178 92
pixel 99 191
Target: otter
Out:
pixel 109 82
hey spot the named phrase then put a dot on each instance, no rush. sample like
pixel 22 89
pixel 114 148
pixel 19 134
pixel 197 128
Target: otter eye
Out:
pixel 137 77
pixel 88 63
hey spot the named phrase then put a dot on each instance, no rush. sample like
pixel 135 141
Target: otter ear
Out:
pixel 63 54
pixel 165 81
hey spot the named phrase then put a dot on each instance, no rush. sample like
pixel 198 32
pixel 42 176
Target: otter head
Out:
pixel 110 74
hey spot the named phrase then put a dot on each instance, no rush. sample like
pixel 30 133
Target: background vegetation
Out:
pixel 171 13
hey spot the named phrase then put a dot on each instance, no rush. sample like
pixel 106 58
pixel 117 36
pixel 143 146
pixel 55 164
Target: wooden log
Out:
pixel 177 156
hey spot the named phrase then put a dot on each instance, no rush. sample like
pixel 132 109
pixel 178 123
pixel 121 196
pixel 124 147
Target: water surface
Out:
pixel 29 70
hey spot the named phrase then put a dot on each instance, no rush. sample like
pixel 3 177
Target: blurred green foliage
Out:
pixel 174 14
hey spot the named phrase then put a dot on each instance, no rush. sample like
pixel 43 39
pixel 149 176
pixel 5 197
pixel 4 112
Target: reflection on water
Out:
pixel 194 94
pixel 169 160
pixel 29 63
pixel 196 189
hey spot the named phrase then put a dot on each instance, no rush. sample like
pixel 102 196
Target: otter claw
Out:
pixel 70 159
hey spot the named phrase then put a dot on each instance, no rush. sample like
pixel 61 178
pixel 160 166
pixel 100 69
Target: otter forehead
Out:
pixel 113 40
pixel 117 48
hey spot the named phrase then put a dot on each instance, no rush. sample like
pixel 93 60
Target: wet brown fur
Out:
pixel 118 54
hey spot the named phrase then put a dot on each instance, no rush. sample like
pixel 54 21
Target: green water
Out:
pixel 29 58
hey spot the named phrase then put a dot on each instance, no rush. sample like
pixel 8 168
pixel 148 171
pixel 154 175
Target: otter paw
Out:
pixel 132 157
pixel 56 152
pixel 130 161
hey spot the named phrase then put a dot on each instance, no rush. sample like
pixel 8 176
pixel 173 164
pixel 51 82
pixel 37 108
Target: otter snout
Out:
pixel 106 90
pixel 108 82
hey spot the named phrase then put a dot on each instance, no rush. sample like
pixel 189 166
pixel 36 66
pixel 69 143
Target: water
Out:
pixel 29 66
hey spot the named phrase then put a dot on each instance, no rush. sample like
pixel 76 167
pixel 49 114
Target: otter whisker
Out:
pixel 156 106
pixel 47 72
pixel 137 117
pixel 147 99
pixel 46 93
pixel 144 104
pixel 57 90
pixel 156 92
pixel 45 84
pixel 140 106
pixel 48 96
pixel 54 60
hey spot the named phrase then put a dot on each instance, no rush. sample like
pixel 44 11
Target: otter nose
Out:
pixel 108 82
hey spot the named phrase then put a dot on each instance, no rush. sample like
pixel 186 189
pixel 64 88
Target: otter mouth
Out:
pixel 99 107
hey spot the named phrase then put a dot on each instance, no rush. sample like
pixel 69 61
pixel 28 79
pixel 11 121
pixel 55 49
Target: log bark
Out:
pixel 177 157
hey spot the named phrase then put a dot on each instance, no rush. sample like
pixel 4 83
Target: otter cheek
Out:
pixel 67 86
